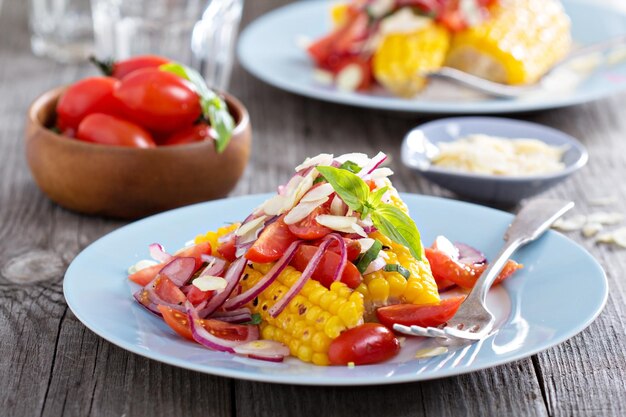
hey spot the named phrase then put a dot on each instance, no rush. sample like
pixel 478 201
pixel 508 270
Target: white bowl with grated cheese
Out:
pixel 491 159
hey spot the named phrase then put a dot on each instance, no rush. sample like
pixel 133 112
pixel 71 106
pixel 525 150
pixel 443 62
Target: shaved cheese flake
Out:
pixel 571 223
pixel 349 78
pixel 605 218
pixel 322 77
pixel 321 159
pixel 605 238
pixel 317 193
pixel 337 207
pixel 143 264
pixel 380 173
pixel 403 21
pixel 365 243
pixel 591 229
pixel 603 201
pixel 356 228
pixel 619 237
pixel 209 283
pixel 252 225
pixel 360 159
pixel 302 210
pixel 338 223
pixel 430 352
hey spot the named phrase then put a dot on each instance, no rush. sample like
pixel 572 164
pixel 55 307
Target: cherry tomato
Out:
pixel 110 130
pixel 91 95
pixel 367 343
pixel 272 243
pixel 327 267
pixel 228 250
pixel 160 101
pixel 308 228
pixel 197 296
pixel 168 291
pixel 445 268
pixel 353 248
pixel 419 315
pixel 120 69
pixel 179 323
pixel 328 50
pixel 195 133
pixel 145 275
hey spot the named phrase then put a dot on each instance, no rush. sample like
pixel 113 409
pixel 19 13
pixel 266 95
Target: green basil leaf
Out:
pixel 375 197
pixel 399 227
pixel 350 188
pixel 365 259
pixel 351 166
pixel 256 319
pixel 399 269
pixel 214 109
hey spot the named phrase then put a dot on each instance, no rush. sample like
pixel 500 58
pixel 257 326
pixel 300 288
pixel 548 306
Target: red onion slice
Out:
pixel 240 315
pixel 372 165
pixel 267 350
pixel 469 255
pixel 205 338
pixel 179 270
pixel 232 277
pixel 216 266
pixel 280 305
pixel 157 252
pixel 264 282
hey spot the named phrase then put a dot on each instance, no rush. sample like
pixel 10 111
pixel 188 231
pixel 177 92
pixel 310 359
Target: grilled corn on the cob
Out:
pixel 312 319
pixel 519 43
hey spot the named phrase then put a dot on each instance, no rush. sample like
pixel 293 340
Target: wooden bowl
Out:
pixel 126 182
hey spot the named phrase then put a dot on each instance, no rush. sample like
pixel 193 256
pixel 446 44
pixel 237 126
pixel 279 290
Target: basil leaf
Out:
pixel 365 259
pixel 255 319
pixel 351 166
pixel 399 269
pixel 350 188
pixel 399 227
pixel 214 109
pixel 375 197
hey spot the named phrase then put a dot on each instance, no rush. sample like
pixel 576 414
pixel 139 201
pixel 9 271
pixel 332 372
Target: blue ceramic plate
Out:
pixel 559 292
pixel 484 187
pixel 268 48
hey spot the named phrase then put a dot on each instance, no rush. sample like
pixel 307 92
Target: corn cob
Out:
pixel 213 236
pixel 401 58
pixel 312 319
pixel 517 45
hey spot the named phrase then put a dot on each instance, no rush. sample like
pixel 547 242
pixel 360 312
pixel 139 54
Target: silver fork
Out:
pixel 473 321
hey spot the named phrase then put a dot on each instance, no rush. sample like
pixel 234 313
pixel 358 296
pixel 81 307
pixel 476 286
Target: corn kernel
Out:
pixel 379 289
pixel 320 342
pixel 334 327
pixel 305 353
pixel 320 359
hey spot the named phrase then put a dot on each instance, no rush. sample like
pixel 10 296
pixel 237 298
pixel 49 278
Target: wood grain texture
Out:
pixel 52 365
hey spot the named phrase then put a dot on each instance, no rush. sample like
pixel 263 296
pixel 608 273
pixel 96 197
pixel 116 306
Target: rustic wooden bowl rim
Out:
pixel 34 112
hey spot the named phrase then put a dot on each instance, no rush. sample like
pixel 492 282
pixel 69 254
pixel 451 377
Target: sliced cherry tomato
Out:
pixel 325 271
pixel 327 50
pixel 445 268
pixel 91 95
pixel 168 291
pixel 228 250
pixel 308 228
pixel 179 323
pixel 367 343
pixel 272 243
pixel 419 315
pixel 196 133
pixel 145 275
pixel 196 252
pixel 197 296
pixel 160 101
pixel 110 130
pixel 353 248
pixel 120 69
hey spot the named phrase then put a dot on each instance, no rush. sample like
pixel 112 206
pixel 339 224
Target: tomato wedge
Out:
pixel 272 243
pixel 228 250
pixel 168 291
pixel 353 248
pixel 308 228
pixel 196 295
pixel 419 315
pixel 445 268
pixel 367 343
pixel 179 323
pixel 144 276
pixel 325 271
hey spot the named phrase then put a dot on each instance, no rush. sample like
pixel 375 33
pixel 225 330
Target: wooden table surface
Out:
pixel 51 365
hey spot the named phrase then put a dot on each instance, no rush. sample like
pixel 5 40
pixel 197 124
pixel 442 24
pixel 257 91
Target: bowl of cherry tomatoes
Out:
pixel 147 137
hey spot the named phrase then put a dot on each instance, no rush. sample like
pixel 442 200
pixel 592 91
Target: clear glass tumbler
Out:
pixel 198 33
pixel 61 29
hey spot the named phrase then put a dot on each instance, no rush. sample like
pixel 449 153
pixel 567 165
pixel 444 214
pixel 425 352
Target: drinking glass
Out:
pixel 61 29
pixel 198 33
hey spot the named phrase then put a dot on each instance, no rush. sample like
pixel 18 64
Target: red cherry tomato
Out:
pixel 419 315
pixel 110 130
pixel 91 95
pixel 145 275
pixel 308 228
pixel 168 291
pixel 122 68
pixel 195 133
pixel 327 267
pixel 160 101
pixel 196 295
pixel 353 248
pixel 445 268
pixel 179 323
pixel 196 252
pixel 367 343
pixel 272 243
pixel 228 250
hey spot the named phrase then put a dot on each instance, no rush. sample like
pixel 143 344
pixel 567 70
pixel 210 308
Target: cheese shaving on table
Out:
pixel 485 154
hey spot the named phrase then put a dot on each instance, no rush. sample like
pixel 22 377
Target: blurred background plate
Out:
pixel 268 49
